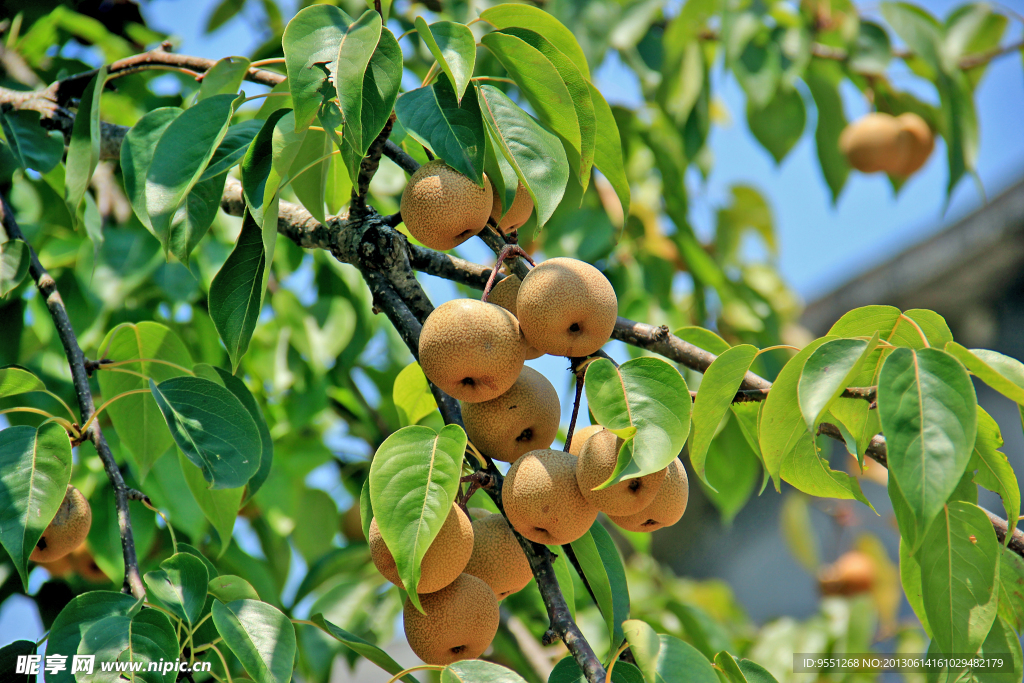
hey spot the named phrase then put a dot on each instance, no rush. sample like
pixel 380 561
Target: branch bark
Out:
pixel 47 287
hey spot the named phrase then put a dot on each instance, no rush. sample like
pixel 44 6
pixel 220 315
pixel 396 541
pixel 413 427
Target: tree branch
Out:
pixel 80 379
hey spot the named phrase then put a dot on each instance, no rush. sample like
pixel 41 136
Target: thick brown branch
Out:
pixel 80 378
pixel 367 168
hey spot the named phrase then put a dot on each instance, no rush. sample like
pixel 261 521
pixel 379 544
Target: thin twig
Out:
pixel 80 378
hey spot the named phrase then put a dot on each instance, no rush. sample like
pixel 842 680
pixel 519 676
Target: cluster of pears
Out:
pixel 68 529
pixel 443 208
pixel 468 568
pixel 550 497
pixel 898 145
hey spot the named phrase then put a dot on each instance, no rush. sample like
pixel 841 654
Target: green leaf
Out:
pixel 180 585
pixel 781 424
pixel 780 123
pixel 646 399
pixel 82 612
pixel 310 180
pixel 236 294
pixel 349 68
pixel 926 405
pixel 608 149
pixel 454 48
pixel 184 149
pixel 454 131
pixel 35 468
pixel 212 428
pixel 237 387
pixel 84 148
pixel 137 418
pixel 732 471
pixel 16 380
pixel 31 145
pixel 563 574
pixel 893 326
pixel 755 673
pixel 312 536
pixel 219 506
pixel 1002 643
pixel 828 372
pixel 146 637
pixel 808 471
pixel 714 396
pixel 798 531
pixel 411 394
pixel 137 153
pixel 910 578
pixel 311 40
pixel 260 636
pixel 525 16
pixel 603 572
pixel 543 87
pixel 580 95
pixel 479 671
pixel 959 569
pixel 823 81
pixel 223 78
pixel 872 51
pixel 536 155
pixel 916 28
pixel 568 671
pixel 1011 588
pixel 703 339
pixel 229 588
pixel 362 647
pixel 232 148
pixel 15 256
pixel 10 655
pixel 664 659
pixel 414 478
pixel 1002 373
pixel 993 469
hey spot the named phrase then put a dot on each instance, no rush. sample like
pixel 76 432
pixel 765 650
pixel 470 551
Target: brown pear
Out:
pixel 522 419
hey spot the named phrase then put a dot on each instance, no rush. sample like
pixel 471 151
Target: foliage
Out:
pixel 237 371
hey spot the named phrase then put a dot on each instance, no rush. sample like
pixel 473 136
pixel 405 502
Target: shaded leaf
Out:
pixel 145 637
pixel 81 613
pixel 212 428
pixel 31 145
pixel 236 294
pixel 780 123
pixel 993 469
pixel 84 147
pixel 454 131
pixel 603 571
pixel 15 256
pixel 219 506
pixel 35 468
